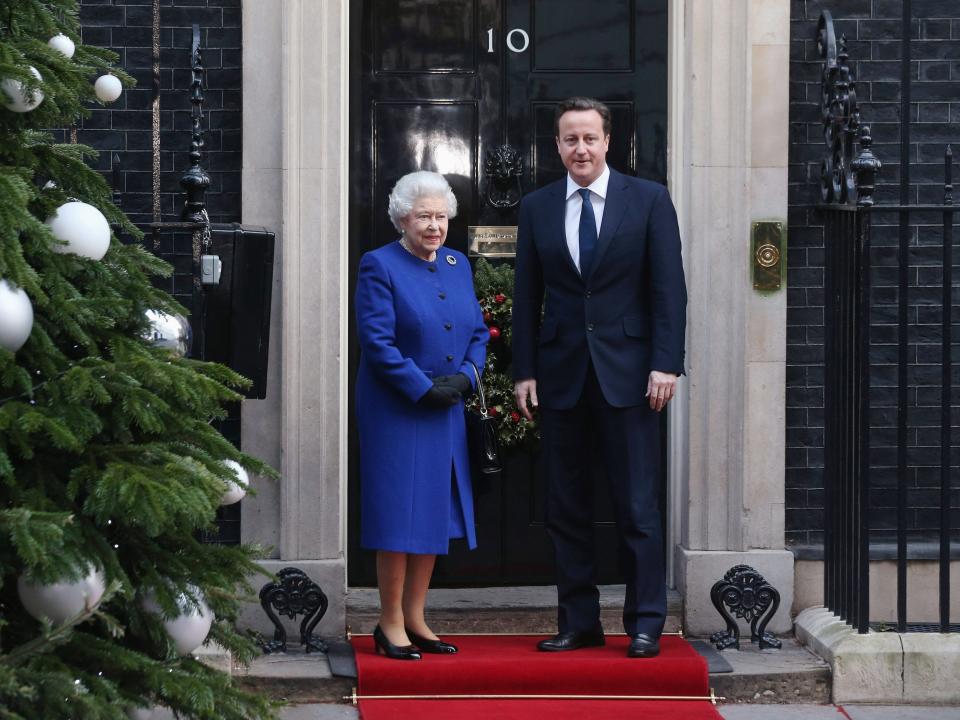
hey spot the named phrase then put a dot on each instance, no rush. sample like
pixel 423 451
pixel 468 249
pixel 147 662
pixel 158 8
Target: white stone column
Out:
pixel 296 72
pixel 734 119
pixel 262 187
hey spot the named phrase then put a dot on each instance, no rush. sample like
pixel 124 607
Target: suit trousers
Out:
pixel 624 442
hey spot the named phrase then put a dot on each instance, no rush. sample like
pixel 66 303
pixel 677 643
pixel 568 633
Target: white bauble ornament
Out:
pixel 63 45
pixel 17 99
pixel 140 713
pixel 16 316
pixel 189 629
pixel 171 332
pixel 108 88
pixel 235 490
pixel 84 229
pixel 62 600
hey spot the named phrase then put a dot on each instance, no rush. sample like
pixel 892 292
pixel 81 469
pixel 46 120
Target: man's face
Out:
pixel 582 145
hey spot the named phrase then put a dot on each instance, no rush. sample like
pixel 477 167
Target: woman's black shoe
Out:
pixel 396 652
pixel 437 647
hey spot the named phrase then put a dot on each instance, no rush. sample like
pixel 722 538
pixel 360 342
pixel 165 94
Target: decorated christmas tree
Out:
pixel 494 287
pixel 111 472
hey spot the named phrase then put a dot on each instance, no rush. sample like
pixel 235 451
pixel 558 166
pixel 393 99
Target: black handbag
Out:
pixel 482 438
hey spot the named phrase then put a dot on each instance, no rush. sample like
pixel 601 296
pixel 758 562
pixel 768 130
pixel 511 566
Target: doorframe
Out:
pixel 344 256
pixel 678 418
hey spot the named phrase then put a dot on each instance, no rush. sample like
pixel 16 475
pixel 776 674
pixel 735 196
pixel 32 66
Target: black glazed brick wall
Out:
pixel 123 129
pixel 873 29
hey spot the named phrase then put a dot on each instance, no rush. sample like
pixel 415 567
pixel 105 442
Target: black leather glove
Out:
pixel 457 381
pixel 440 397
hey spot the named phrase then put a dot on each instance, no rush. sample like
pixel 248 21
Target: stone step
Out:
pixel 790 675
pixel 294 677
pixel 531 609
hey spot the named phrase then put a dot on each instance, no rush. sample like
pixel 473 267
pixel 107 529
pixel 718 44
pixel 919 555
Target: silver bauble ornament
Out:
pixel 16 98
pixel 235 490
pixel 171 332
pixel 108 88
pixel 190 628
pixel 82 227
pixel 61 601
pixel 16 316
pixel 63 45
pixel 140 713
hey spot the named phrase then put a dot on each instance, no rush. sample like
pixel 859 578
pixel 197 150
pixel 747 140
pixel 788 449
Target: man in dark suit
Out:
pixel 599 253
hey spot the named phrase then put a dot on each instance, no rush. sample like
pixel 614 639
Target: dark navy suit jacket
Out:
pixel 628 316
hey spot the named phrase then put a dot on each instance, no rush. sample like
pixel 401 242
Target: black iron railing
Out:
pixel 846 412
pixel 851 461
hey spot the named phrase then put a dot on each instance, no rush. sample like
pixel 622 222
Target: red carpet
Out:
pixel 511 665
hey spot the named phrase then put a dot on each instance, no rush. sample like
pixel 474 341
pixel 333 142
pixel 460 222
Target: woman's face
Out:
pixel 425 227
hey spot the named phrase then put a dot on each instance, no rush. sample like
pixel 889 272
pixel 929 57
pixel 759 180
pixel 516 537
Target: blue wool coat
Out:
pixel 416 320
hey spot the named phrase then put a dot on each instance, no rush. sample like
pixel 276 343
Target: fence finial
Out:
pixel 865 168
pixel 845 177
pixel 195 180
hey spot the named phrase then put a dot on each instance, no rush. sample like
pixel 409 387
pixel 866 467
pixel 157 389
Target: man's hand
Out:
pixel 522 390
pixel 660 389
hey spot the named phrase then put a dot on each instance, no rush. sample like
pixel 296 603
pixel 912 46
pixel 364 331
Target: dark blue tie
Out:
pixel 588 233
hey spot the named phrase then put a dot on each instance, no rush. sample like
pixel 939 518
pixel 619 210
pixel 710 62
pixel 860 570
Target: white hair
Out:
pixel 413 186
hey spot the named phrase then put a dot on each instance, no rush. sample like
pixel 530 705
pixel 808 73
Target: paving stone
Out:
pixel 780 712
pixel 832 712
pixel 902 712
pixel 320 711
pixel 329 711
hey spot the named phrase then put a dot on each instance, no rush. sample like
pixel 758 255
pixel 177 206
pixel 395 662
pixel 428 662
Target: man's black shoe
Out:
pixel 643 646
pixel 572 641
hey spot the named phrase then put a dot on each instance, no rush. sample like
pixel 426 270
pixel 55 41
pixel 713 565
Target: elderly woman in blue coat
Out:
pixel 421 334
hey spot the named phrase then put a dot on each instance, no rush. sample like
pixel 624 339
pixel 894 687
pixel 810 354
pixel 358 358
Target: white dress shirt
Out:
pixel 598 197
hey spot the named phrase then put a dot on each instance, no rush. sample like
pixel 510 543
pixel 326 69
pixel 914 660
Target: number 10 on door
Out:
pixel 517 40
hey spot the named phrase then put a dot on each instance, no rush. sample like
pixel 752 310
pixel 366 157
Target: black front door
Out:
pixel 436 85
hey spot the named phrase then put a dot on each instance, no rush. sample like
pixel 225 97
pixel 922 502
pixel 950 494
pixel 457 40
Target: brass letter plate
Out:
pixel 492 240
pixel 767 255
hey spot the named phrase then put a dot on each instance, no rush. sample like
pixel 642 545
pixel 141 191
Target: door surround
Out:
pixel 423 95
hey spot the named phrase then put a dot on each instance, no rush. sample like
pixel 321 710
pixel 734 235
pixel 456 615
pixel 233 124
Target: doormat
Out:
pixel 506 677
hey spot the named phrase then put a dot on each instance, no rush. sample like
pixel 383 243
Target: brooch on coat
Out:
pixel 451 260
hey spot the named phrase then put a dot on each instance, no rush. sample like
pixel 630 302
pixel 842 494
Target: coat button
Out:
pixel 449 358
pixel 431 268
pixel 442 296
pixel 447 326
pixel 590 327
pixel 589 293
